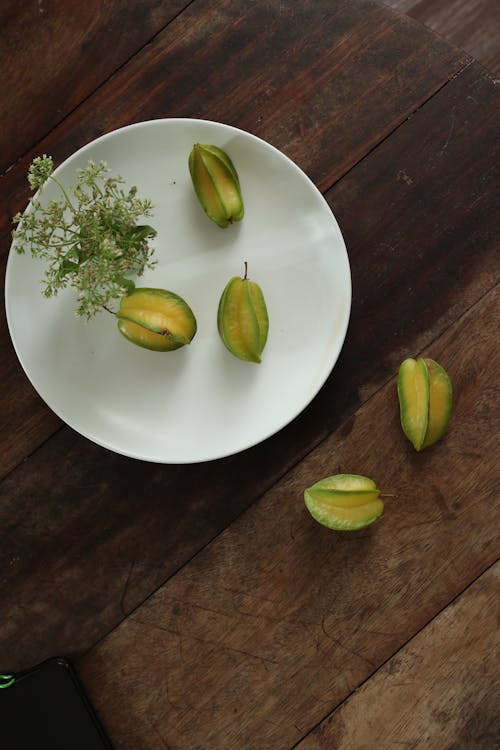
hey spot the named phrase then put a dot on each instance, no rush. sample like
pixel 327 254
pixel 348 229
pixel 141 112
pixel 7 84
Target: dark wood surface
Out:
pixel 55 54
pixel 428 698
pixel 473 25
pixel 202 606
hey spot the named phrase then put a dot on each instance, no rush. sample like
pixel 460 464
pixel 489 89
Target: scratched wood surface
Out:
pixel 441 690
pixel 277 621
pixel 473 25
pixel 398 129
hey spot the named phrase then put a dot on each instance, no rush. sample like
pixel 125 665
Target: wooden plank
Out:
pixel 441 689
pixel 472 25
pixel 327 119
pixel 53 55
pixel 415 215
pixel 278 620
pixel 99 549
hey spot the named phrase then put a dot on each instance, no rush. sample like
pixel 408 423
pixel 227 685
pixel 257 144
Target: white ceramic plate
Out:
pixel 197 403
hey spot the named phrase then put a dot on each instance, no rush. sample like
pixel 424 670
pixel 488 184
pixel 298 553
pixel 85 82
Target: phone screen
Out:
pixel 46 707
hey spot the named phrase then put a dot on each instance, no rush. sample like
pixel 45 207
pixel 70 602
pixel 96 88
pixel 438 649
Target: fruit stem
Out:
pixel 246 271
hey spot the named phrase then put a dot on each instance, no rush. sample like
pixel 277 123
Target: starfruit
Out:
pixel 216 184
pixel 425 399
pixel 242 318
pixel 156 319
pixel 344 502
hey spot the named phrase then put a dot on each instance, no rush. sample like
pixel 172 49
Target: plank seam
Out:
pixel 408 117
pixel 94 91
pixel 398 650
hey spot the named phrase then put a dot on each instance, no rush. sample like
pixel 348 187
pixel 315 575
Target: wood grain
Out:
pixel 276 622
pixel 55 53
pixel 441 690
pixel 107 555
pixel 421 228
pixel 338 95
pixel 473 25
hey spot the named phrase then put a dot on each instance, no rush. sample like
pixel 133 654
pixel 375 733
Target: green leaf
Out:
pixel 142 231
pixel 66 267
pixel 128 284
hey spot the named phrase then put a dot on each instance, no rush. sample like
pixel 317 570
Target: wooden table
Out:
pixel 202 605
